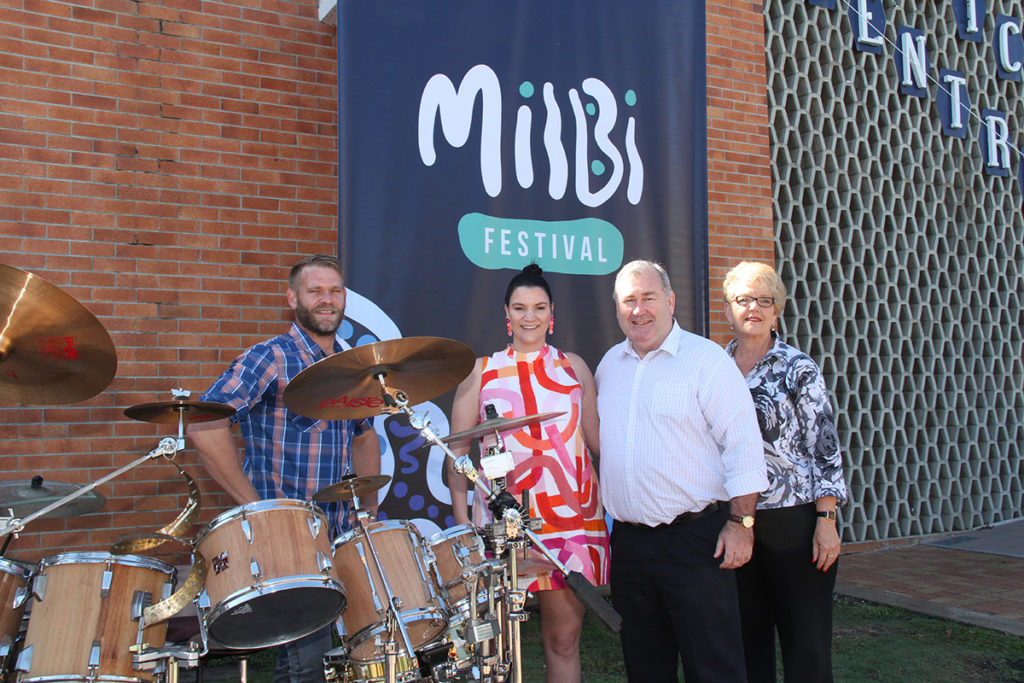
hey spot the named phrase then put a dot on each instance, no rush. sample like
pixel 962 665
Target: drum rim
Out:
pixel 19 569
pixel 257 506
pixel 452 532
pixel 95 557
pixel 367 632
pixel 275 586
pixel 374 527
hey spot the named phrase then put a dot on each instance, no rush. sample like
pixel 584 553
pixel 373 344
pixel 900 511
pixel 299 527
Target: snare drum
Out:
pixel 404 560
pixel 455 550
pixel 14 580
pixel 339 668
pixel 270 578
pixel 85 617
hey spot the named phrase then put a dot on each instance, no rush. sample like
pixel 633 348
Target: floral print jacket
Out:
pixel 801 445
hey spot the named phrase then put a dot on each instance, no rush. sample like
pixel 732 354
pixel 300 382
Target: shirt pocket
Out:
pixel 671 400
pixel 306 425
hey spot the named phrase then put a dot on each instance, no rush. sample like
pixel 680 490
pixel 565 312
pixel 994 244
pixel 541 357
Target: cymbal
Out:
pixel 345 386
pixel 349 488
pixel 53 351
pixel 27 497
pixel 169 411
pixel 501 424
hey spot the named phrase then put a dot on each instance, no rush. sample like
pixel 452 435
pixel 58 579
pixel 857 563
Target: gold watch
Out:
pixel 746 521
pixel 827 514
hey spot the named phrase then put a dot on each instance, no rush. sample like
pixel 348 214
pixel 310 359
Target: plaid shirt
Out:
pixel 287 455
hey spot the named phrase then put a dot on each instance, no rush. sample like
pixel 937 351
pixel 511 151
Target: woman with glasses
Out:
pixel 787 585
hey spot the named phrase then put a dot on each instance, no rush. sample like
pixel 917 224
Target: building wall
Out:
pixel 165 163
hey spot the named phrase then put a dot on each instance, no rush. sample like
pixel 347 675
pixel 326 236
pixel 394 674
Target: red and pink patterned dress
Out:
pixel 551 462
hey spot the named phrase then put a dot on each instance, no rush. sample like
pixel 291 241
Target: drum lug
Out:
pixel 94 655
pixel 324 562
pixel 39 587
pixel 314 525
pixel 203 600
pixel 20 596
pixel 254 569
pixel 246 530
pixel 108 577
pixel 25 659
pixel 140 601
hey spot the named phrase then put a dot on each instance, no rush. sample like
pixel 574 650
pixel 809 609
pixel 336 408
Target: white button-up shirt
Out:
pixel 678 430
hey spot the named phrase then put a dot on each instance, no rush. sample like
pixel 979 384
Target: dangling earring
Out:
pixel 508 326
pixel 551 325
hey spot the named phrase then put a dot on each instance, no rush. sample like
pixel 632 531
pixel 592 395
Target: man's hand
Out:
pixel 735 545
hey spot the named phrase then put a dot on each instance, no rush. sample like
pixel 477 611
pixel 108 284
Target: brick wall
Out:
pixel 165 163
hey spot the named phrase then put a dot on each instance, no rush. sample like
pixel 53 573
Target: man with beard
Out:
pixel 288 455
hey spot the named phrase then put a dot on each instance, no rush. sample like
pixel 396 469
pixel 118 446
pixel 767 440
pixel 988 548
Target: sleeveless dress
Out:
pixel 551 462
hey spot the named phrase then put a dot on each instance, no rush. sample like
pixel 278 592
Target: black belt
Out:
pixel 683 518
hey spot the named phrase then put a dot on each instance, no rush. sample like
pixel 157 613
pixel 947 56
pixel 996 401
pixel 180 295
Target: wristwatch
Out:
pixel 746 521
pixel 827 514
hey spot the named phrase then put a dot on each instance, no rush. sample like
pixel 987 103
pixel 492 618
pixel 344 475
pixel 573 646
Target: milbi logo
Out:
pixel 584 246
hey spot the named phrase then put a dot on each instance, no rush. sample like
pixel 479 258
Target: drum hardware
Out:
pixel 53 351
pixel 178 411
pixel 351 487
pixel 11 525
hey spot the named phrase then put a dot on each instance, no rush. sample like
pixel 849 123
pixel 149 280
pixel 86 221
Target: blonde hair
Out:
pixel 755 271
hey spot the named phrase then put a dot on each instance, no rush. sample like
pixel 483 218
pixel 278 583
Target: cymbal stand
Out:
pixel 12 526
pixel 392 612
pixel 397 401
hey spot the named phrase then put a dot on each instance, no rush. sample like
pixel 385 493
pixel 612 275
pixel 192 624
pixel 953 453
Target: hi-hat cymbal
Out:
pixel 53 351
pixel 345 385
pixel 190 411
pixel 502 424
pixel 28 497
pixel 351 487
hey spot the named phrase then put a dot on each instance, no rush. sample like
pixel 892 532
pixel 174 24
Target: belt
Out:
pixel 683 518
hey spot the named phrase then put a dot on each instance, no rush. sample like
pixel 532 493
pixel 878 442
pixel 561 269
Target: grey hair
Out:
pixel 634 268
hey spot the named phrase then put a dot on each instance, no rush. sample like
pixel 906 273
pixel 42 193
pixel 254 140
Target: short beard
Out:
pixel 306 319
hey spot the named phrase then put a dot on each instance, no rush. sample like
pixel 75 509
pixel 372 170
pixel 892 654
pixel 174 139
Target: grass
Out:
pixel 871 643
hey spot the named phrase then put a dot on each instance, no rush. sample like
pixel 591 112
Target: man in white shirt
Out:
pixel 681 466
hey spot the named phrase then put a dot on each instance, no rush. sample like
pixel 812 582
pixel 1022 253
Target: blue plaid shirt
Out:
pixel 287 455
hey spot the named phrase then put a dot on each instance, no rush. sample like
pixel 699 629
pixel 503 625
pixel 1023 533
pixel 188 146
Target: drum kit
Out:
pixel 406 608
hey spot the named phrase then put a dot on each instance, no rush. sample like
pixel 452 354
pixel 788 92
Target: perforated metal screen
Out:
pixel 905 265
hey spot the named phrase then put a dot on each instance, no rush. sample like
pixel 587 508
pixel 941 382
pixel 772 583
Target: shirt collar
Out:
pixel 306 343
pixel 670 344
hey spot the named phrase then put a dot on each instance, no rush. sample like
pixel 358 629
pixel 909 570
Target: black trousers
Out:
pixel 781 590
pixel 675 602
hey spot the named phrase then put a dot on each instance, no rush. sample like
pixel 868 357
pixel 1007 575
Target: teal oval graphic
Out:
pixel 584 246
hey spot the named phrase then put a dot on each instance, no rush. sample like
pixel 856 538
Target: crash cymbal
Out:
pixel 169 411
pixel 53 351
pixel 344 386
pixel 351 487
pixel 502 424
pixel 27 497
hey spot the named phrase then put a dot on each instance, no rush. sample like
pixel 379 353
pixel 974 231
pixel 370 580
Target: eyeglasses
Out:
pixel 762 301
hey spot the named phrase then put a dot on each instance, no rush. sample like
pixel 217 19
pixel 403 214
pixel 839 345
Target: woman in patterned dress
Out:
pixel 552 460
pixel 787 585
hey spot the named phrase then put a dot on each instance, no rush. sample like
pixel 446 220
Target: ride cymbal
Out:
pixel 53 351
pixel 28 497
pixel 345 385
pixel 503 425
pixel 169 412
pixel 350 488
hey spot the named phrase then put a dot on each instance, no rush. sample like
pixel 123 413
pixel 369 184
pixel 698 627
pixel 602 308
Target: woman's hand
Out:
pixel 826 544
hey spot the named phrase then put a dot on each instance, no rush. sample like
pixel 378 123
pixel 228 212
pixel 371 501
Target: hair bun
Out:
pixel 533 269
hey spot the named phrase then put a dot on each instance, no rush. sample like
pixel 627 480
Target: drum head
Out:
pixel 276 616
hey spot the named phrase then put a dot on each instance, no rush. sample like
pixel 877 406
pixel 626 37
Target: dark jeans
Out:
pixel 780 590
pixel 302 660
pixel 676 602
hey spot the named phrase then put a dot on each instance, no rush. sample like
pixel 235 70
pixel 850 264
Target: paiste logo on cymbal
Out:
pixel 353 402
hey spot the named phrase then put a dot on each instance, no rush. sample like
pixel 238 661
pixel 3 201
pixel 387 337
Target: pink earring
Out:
pixel 508 326
pixel 551 325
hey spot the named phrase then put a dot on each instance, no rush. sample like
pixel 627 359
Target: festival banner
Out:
pixel 475 138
